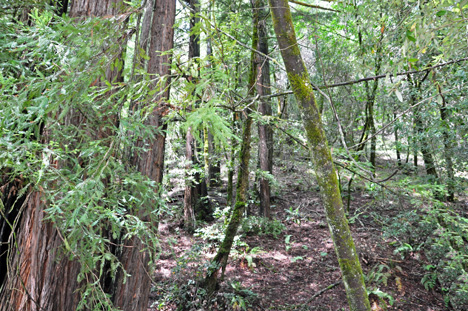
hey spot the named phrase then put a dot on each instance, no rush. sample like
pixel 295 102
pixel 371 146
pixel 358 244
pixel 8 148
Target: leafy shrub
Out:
pixel 442 234
pixel 262 226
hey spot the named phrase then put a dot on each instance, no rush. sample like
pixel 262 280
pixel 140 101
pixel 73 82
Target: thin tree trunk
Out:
pixel 214 168
pixel 232 161
pixel 397 142
pixel 191 194
pixel 422 142
pixel 321 155
pixel 195 185
pixel 369 126
pixel 221 258
pixel 448 147
pixel 265 132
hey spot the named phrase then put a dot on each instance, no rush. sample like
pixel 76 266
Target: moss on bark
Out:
pixel 321 155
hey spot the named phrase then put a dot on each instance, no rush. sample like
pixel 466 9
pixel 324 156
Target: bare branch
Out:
pixel 313 6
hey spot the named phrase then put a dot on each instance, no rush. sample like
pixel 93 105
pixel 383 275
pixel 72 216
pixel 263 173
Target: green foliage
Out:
pixel 379 274
pixel 254 225
pixel 382 295
pixel 429 279
pixel 294 215
pixel 52 122
pixel 441 234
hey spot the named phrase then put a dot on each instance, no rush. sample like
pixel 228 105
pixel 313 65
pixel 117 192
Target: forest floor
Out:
pixel 297 269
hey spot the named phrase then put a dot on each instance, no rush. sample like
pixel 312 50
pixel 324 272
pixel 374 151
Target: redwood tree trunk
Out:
pixel 40 274
pixel 321 155
pixel 134 292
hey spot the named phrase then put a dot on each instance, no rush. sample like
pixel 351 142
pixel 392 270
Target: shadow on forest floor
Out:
pixel 298 269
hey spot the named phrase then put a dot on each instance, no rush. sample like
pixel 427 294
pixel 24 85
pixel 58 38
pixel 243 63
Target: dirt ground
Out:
pixel 298 270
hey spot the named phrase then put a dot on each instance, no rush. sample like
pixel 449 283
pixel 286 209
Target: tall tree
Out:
pixel 40 276
pixel 196 203
pixel 321 155
pixel 263 86
pixel 131 293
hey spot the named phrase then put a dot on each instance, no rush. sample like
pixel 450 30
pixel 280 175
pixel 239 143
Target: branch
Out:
pixel 323 290
pixel 374 77
pixel 398 74
pixel 312 6
pixel 404 113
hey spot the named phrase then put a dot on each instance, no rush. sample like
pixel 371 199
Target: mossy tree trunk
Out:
pixel 321 155
pixel 219 262
pixel 265 132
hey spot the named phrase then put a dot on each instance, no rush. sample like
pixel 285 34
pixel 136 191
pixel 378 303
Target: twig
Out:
pixel 323 290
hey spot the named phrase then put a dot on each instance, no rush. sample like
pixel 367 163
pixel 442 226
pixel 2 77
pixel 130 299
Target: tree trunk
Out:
pixel 448 147
pixel 321 155
pixel 221 258
pixel 191 195
pixel 40 274
pixel 232 161
pixel 265 133
pixel 133 293
pixel 214 169
pixel 422 142
pixel 195 186
pixel 397 142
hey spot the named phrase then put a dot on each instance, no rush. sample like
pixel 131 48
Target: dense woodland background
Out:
pixel 175 155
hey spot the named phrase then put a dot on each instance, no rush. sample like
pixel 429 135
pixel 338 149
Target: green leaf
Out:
pixel 441 13
pixel 410 38
pixel 297 258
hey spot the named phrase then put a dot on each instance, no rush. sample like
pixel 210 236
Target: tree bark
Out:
pixel 397 141
pixel 134 292
pixel 41 275
pixel 265 132
pixel 448 147
pixel 321 155
pixel 422 142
